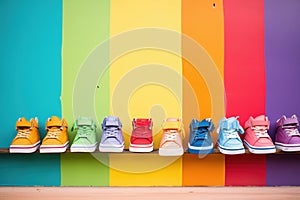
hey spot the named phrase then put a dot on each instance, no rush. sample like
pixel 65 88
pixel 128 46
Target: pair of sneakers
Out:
pixel 27 139
pixel 287 135
pixel 141 139
pixel 86 137
pixel 257 139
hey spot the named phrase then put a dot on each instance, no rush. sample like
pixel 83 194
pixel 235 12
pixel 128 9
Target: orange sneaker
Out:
pixel 27 139
pixel 56 140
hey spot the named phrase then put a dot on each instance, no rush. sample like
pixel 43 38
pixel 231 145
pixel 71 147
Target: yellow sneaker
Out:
pixel 56 139
pixel 27 139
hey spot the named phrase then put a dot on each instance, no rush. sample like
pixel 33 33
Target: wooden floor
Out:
pixel 150 193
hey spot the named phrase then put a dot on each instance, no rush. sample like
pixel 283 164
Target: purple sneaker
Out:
pixel 287 134
pixel 112 139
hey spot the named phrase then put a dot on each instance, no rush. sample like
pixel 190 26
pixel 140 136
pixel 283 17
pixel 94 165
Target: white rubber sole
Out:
pixel 54 148
pixel 260 150
pixel 287 147
pixel 170 152
pixel 227 151
pixel 231 152
pixel 111 148
pixel 83 148
pixel 24 148
pixel 141 148
pixel 200 148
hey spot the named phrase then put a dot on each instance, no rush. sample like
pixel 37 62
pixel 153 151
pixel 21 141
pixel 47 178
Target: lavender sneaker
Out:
pixel 112 139
pixel 287 134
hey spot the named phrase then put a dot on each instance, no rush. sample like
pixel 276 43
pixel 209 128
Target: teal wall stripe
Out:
pixel 30 169
pixel 30 68
pixel 30 63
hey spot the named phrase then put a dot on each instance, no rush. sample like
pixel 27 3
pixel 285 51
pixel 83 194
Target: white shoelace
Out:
pixel 231 134
pixel 292 131
pixel 171 134
pixel 23 133
pixel 260 131
pixel 53 132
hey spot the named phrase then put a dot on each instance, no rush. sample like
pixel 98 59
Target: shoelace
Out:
pixel 23 133
pixel 84 131
pixel 200 133
pixel 112 131
pixel 260 131
pixel 231 134
pixel 53 132
pixel 170 135
pixel 292 131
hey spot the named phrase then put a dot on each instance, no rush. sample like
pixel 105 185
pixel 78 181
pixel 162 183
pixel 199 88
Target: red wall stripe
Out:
pixel 244 67
pixel 245 170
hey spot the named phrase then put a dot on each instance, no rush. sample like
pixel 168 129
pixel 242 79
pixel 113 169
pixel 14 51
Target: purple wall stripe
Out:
pixel 282 57
pixel 282 170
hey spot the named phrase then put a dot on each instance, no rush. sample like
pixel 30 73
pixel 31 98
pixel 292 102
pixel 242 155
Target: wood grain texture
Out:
pixel 175 193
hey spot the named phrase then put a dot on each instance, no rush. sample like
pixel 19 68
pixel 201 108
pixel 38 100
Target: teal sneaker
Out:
pixel 86 138
pixel 229 141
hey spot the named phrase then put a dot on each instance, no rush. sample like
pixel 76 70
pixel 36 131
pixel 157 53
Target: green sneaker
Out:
pixel 85 139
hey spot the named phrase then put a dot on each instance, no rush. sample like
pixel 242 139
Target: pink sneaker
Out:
pixel 257 138
pixel 171 143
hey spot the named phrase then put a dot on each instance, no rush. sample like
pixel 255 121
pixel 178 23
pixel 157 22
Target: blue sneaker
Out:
pixel 200 140
pixel 112 139
pixel 229 141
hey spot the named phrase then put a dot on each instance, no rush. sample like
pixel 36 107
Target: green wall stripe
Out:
pixel 84 169
pixel 85 26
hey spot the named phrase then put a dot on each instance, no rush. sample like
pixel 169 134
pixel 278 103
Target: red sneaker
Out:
pixel 141 139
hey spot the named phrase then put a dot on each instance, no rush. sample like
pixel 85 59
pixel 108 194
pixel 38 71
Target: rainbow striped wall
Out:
pixel 208 58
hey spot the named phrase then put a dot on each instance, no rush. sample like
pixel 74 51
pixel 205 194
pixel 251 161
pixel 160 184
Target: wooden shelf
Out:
pixel 126 151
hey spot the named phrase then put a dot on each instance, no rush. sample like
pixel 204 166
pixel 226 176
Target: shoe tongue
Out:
pixel 142 122
pixel 84 122
pixel 172 125
pixel 260 118
pixel 54 121
pixel 231 123
pixel 261 121
pixel 111 121
pixel 22 122
pixel 290 121
pixel 204 123
pixel 54 118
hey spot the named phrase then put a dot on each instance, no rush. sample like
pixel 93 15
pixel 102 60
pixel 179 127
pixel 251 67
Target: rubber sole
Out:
pixel 170 152
pixel 24 148
pixel 54 148
pixel 111 148
pixel 228 151
pixel 83 148
pixel 200 150
pixel 260 150
pixel 141 148
pixel 287 147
